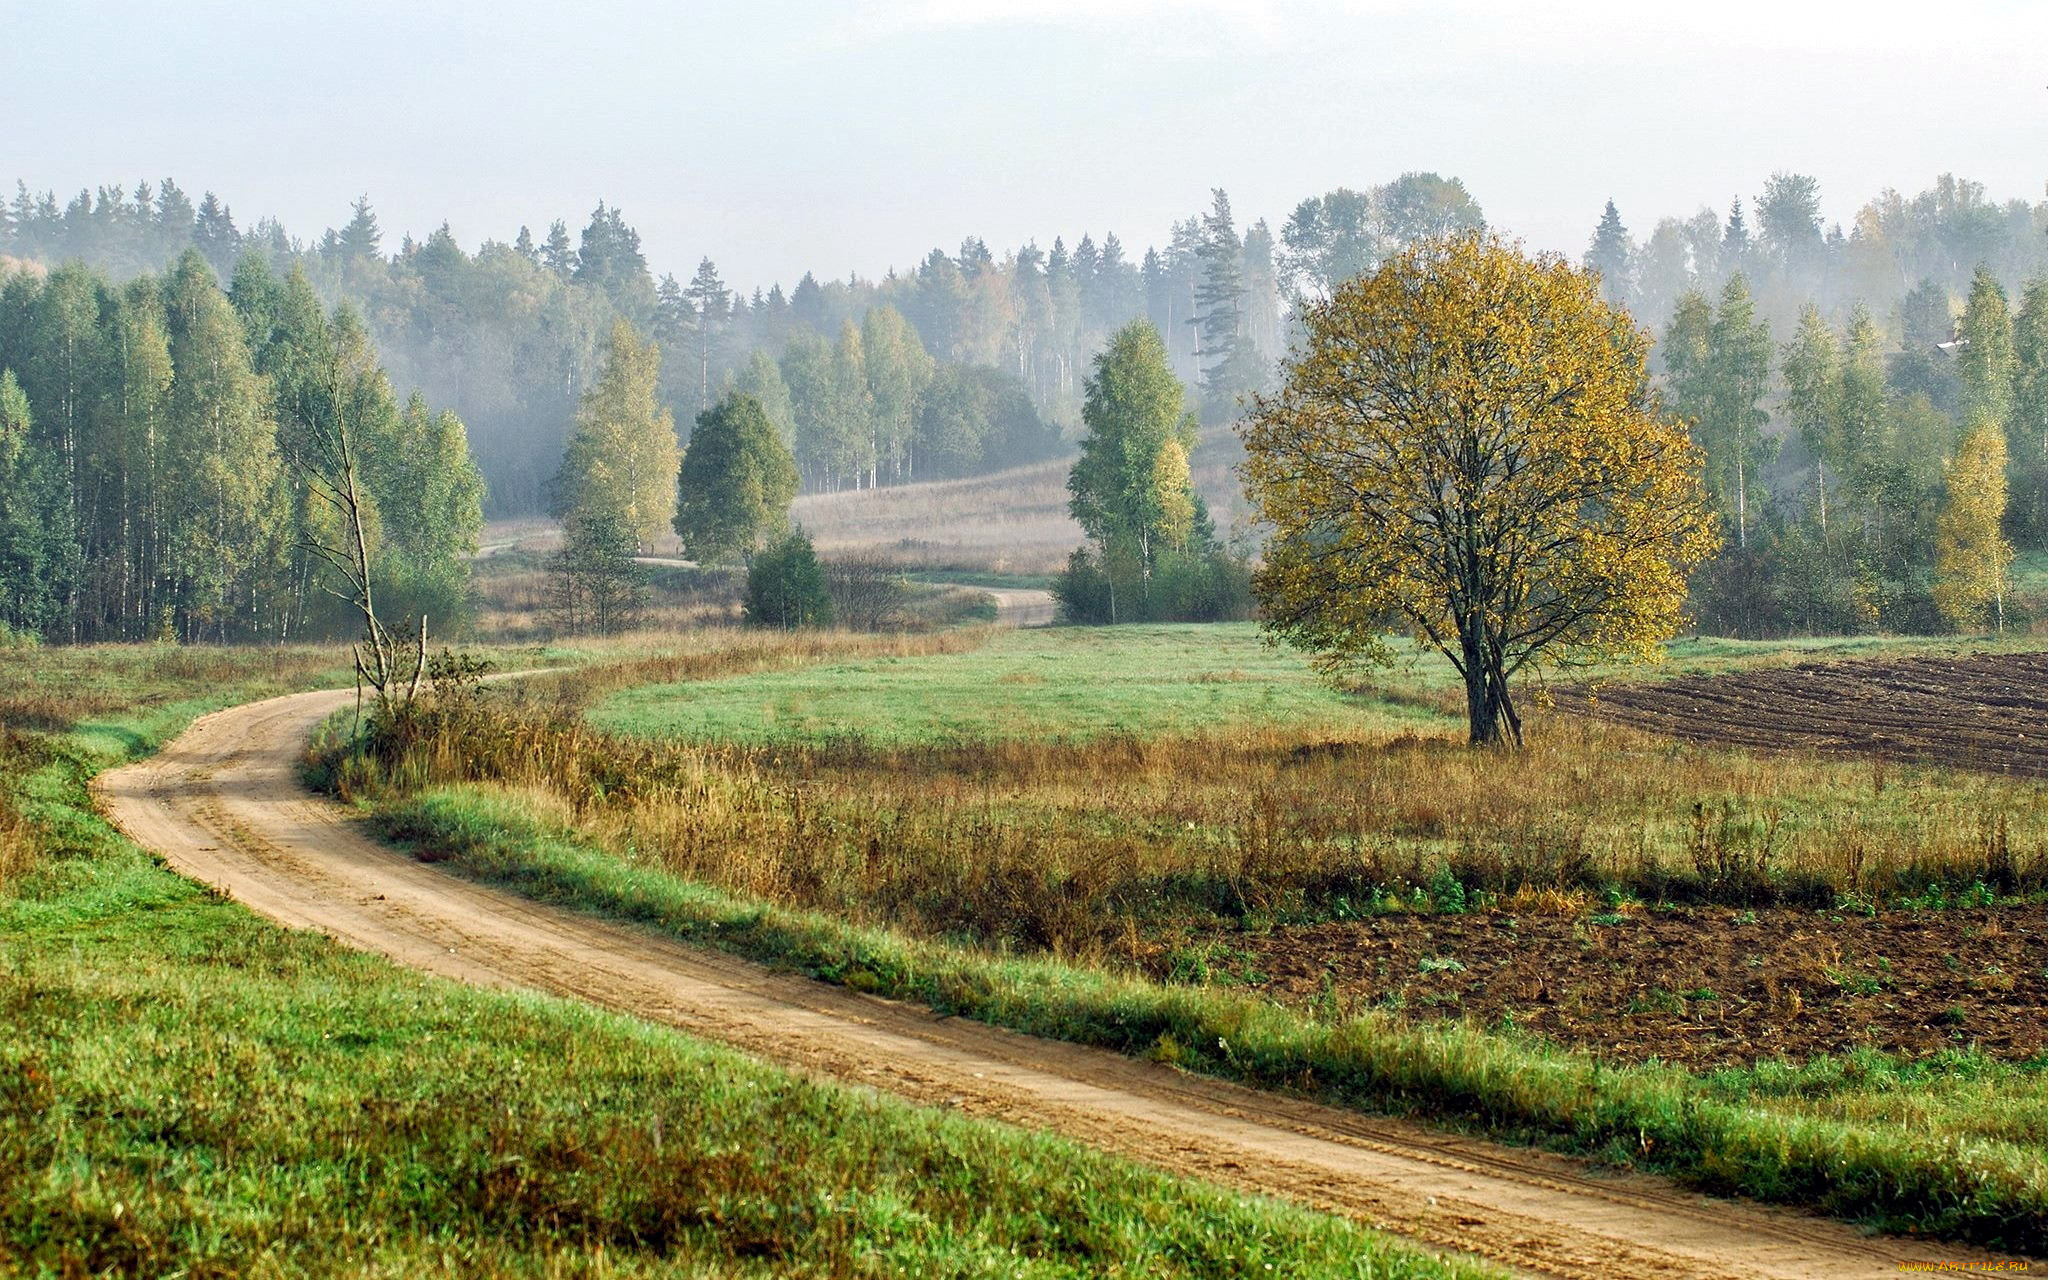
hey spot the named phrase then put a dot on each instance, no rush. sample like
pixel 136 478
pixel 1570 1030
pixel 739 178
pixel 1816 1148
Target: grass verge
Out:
pixel 188 1089
pixel 1984 1189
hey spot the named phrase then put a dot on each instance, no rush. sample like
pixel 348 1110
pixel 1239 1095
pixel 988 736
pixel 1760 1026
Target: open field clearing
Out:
pixel 188 1089
pixel 1065 684
pixel 222 803
pixel 1010 522
pixel 1340 853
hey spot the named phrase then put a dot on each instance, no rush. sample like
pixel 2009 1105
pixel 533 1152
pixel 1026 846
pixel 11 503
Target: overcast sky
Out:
pixel 780 135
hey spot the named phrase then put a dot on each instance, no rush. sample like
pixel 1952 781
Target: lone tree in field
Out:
pixel 1463 445
pixel 736 482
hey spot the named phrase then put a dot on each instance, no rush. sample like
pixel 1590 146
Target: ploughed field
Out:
pixel 1985 712
pixel 1700 987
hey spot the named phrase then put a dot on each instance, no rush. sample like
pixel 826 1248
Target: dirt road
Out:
pixel 222 804
pixel 1021 606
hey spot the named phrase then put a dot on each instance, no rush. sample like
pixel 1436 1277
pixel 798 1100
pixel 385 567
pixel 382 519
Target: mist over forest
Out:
pixel 973 359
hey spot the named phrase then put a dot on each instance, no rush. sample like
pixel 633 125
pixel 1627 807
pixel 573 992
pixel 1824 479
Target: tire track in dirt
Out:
pixel 223 805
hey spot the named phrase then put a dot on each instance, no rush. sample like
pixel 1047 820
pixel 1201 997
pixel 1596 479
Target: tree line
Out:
pixel 1865 483
pixel 156 445
pixel 510 335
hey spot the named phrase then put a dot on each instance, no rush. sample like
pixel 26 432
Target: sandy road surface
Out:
pixel 1021 606
pixel 222 804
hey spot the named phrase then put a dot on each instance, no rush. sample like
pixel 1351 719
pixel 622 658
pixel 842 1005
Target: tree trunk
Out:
pixel 1489 706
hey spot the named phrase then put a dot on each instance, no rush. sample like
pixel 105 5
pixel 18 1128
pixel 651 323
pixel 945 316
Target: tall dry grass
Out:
pixel 1070 846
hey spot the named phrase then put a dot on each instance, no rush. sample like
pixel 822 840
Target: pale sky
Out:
pixel 781 135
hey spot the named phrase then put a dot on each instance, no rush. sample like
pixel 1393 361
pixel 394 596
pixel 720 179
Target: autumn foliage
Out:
pixel 1464 446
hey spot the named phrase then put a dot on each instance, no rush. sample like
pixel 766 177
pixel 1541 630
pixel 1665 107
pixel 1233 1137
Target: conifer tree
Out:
pixel 710 309
pixel 1609 254
pixel 1226 358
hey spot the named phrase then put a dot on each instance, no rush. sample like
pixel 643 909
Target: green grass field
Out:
pixel 1054 683
pixel 1076 683
pixel 186 1089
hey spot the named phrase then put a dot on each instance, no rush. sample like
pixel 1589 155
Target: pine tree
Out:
pixel 361 239
pixel 786 586
pixel 710 310
pixel 215 236
pixel 1609 255
pixel 558 255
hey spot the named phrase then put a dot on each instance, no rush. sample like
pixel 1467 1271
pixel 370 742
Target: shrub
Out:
pixel 1212 585
pixel 786 586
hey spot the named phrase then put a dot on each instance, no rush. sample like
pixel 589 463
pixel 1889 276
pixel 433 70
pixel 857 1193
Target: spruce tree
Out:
pixel 1227 359
pixel 1609 255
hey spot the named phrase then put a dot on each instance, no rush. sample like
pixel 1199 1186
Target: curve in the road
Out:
pixel 223 805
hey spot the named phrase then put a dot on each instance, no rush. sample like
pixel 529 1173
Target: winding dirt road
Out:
pixel 222 804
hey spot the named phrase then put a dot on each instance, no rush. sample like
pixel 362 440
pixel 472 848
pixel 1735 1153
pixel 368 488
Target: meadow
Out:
pixel 188 1089
pixel 1092 834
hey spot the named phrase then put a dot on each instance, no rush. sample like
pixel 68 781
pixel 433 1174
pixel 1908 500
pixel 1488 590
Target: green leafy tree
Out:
pixel 2028 432
pixel 1812 368
pixel 1132 408
pixel 598 587
pixel 1985 362
pixel 623 457
pixel 433 488
pixel 760 378
pixel 32 550
pixel 898 370
pixel 786 586
pixel 1732 418
pixel 228 507
pixel 736 482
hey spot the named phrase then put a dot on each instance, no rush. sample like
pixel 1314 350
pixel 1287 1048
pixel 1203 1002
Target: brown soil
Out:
pixel 222 804
pixel 1986 712
pixel 1704 988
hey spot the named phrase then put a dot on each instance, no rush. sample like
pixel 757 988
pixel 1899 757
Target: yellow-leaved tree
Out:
pixel 1971 555
pixel 621 462
pixel 1464 446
